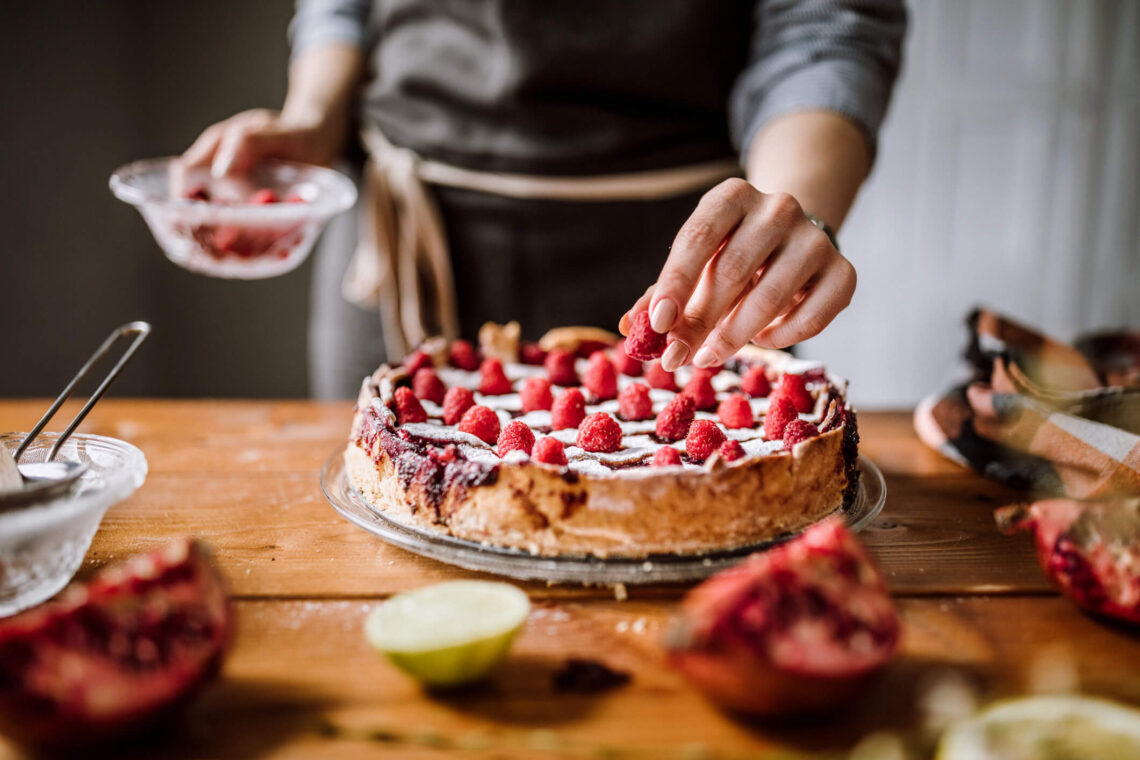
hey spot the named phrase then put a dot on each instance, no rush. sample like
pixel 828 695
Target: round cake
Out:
pixel 572 447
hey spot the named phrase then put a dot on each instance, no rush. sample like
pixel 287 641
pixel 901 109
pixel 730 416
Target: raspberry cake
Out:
pixel 572 446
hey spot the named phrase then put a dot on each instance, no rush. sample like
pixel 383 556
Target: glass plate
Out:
pixel 521 565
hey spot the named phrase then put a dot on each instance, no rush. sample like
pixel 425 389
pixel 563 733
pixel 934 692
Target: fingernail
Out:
pixel 664 313
pixel 221 165
pixel 706 358
pixel 674 356
pixel 623 324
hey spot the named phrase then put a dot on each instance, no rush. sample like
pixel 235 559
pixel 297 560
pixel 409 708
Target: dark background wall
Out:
pixel 84 88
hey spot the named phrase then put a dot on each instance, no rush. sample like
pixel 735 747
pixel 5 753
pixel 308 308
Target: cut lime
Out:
pixel 1046 728
pixel 450 633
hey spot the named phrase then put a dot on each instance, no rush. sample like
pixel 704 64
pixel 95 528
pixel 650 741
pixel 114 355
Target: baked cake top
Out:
pixel 631 417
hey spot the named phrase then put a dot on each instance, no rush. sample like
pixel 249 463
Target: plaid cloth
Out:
pixel 1041 415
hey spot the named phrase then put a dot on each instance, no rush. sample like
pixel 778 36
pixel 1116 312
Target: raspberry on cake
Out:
pixel 516 436
pixel 659 377
pixel 674 420
pixel 700 390
pixel 755 382
pixel 531 353
pixel 731 451
pixel 549 451
pixel 634 403
pixel 568 410
pixel 798 431
pixel 427 385
pixel 604 476
pixel 456 402
pixel 493 378
pixel 794 389
pixel 417 360
pixel 462 355
pixel 559 365
pixel 480 422
pixel 703 439
pixel 599 432
pixel 535 394
pixel 735 412
pixel 407 407
pixel 600 377
pixel 781 411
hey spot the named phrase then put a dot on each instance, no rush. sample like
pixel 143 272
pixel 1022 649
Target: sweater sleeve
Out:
pixel 319 22
pixel 834 55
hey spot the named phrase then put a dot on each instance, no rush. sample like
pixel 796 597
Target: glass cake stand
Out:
pixel 522 565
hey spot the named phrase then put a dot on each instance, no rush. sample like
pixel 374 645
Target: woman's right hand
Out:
pixel 237 144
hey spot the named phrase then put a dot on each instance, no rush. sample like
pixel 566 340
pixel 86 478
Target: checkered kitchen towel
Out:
pixel 1041 415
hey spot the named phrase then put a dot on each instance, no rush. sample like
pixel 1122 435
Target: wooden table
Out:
pixel 301 682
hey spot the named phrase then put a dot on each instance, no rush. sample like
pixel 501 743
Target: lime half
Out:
pixel 450 633
pixel 1046 728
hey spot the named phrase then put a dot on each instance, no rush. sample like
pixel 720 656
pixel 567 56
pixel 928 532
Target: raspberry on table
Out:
pixel 481 422
pixel 530 353
pixel 735 412
pixel 456 402
pixel 492 379
pixel 535 394
pixel 516 436
pixel 600 377
pixel 658 377
pixel 549 451
pixel 643 342
pixel 427 385
pixel 798 431
pixel 559 365
pixel 755 382
pixel 416 361
pixel 781 411
pixel 674 420
pixel 666 457
pixel 407 407
pixel 599 432
pixel 463 355
pixel 568 410
pixel 731 451
pixel 625 363
pixel 700 390
pixel 794 388
pixel 703 439
pixel 634 402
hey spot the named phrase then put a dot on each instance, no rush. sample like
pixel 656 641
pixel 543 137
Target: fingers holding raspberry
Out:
pixel 745 266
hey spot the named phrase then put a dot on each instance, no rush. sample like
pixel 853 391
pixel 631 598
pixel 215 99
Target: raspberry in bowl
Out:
pixel 261 224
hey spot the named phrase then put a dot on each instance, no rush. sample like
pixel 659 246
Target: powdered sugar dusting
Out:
pixel 638 443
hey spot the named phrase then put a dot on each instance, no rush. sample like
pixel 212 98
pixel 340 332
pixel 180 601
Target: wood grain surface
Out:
pixel 301 682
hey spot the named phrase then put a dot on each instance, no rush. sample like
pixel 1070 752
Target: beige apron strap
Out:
pixel 401 265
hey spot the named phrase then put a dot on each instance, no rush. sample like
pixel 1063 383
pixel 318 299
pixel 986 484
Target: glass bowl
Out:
pixel 231 227
pixel 42 545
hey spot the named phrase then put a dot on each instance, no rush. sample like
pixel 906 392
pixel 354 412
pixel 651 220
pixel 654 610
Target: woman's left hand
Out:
pixel 746 266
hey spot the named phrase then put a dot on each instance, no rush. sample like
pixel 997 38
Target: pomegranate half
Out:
pixel 1090 550
pixel 795 629
pixel 114 654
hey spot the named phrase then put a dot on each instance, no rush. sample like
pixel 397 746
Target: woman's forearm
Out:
pixel 818 157
pixel 323 86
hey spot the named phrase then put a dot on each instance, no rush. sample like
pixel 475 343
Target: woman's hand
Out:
pixel 746 266
pixel 241 141
pixel 311 127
